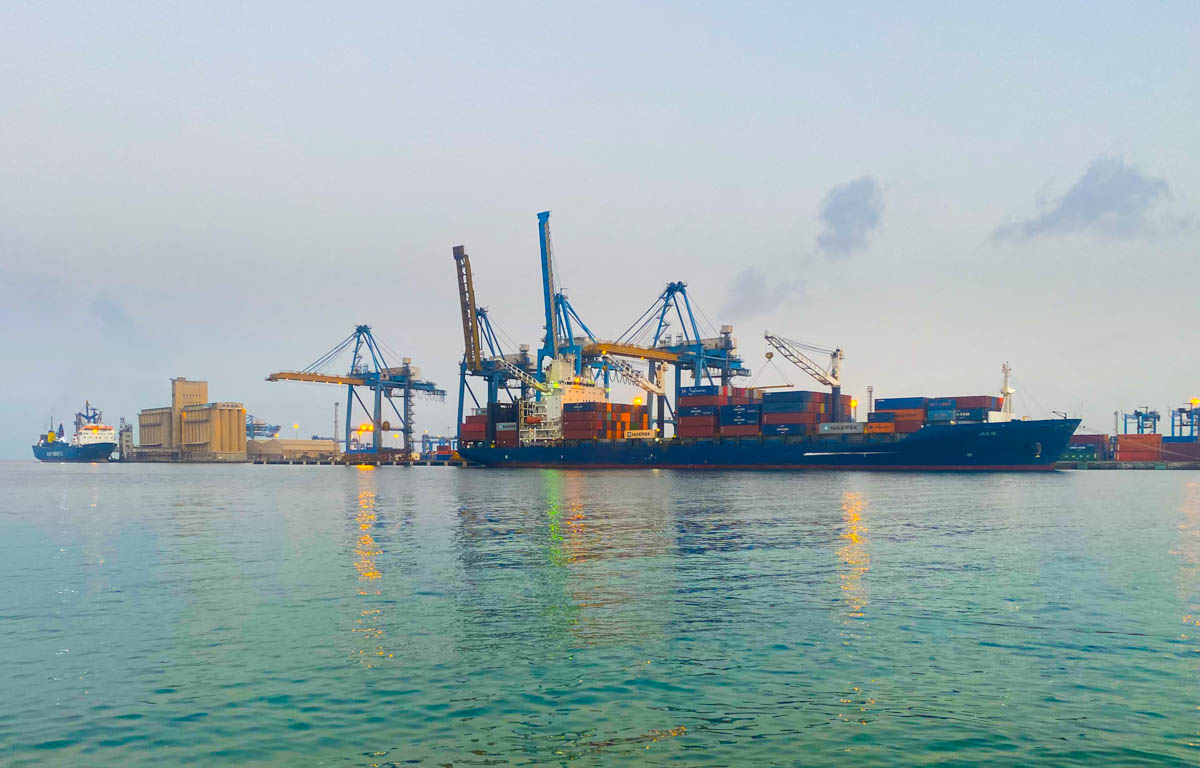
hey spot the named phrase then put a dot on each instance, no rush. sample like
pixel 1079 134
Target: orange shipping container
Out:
pixel 907 414
pixel 1139 440
pixel 879 428
pixel 1139 447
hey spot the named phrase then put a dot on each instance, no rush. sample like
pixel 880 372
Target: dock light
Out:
pixel 637 401
pixel 1195 401
pixel 853 403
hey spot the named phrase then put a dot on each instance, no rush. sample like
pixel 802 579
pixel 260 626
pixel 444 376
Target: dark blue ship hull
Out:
pixel 1008 446
pixel 61 451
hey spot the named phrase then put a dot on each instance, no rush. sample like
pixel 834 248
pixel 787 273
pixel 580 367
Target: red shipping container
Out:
pixel 682 431
pixel 479 419
pixel 1139 447
pixel 789 418
pixel 580 434
pixel 1181 451
pixel 698 421
pixel 740 430
pixel 908 426
pixel 706 400
pixel 1096 440
pixel 1146 440
pixel 1128 455
pixel 906 414
pixel 978 401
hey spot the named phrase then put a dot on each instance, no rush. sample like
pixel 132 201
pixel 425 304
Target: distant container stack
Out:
pixel 1087 448
pixel 1139 447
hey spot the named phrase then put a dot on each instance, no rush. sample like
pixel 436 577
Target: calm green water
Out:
pixel 162 615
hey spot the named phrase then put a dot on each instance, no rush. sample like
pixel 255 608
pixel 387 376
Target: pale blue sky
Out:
pixel 304 168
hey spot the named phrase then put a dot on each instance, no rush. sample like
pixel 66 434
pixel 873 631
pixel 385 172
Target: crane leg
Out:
pixel 377 432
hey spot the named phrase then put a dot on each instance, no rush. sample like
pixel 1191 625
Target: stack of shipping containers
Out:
pixel 899 415
pixel 1147 447
pixel 904 415
pixel 698 410
pixel 474 428
pixel 735 412
pixel 796 412
pixel 1086 448
pixel 603 421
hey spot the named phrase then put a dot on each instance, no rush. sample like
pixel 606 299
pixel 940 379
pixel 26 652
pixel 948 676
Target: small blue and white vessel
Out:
pixel 93 440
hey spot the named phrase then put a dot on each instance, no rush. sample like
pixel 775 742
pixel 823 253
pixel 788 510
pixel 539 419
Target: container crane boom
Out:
pixel 551 343
pixel 470 318
pixel 519 373
pixel 628 373
pixel 318 378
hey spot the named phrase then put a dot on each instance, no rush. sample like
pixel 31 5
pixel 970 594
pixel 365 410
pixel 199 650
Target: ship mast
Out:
pixel 1006 391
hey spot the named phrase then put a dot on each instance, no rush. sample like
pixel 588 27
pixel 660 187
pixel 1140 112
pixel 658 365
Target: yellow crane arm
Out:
pixel 319 378
pixel 603 348
pixel 470 320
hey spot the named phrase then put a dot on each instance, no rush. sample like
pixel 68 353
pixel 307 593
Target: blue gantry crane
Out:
pixel 1185 422
pixel 369 369
pixel 258 429
pixel 1145 421
pixel 568 339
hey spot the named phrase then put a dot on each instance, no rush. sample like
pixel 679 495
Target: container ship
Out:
pixel 560 414
pixel 733 428
pixel 93 440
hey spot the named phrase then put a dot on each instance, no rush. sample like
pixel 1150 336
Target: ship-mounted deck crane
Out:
pixel 794 352
pixel 369 368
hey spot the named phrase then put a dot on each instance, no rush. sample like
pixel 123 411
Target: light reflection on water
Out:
pixel 309 615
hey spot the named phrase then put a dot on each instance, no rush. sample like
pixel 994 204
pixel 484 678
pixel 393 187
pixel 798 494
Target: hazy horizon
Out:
pixel 221 191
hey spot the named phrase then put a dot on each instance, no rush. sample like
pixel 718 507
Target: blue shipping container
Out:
pixel 971 414
pixel 941 404
pixel 582 407
pixel 741 408
pixel 792 396
pixel 705 391
pixel 942 415
pixel 789 407
pixel 783 429
pixel 901 403
pixel 737 419
pixel 881 416
pixel 698 410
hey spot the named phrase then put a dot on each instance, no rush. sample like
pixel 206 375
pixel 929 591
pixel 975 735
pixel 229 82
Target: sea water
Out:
pixel 342 616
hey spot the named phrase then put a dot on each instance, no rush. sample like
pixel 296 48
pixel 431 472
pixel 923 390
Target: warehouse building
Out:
pixel 287 450
pixel 191 428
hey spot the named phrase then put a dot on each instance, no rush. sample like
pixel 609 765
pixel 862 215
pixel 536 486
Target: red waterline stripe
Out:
pixel 837 467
